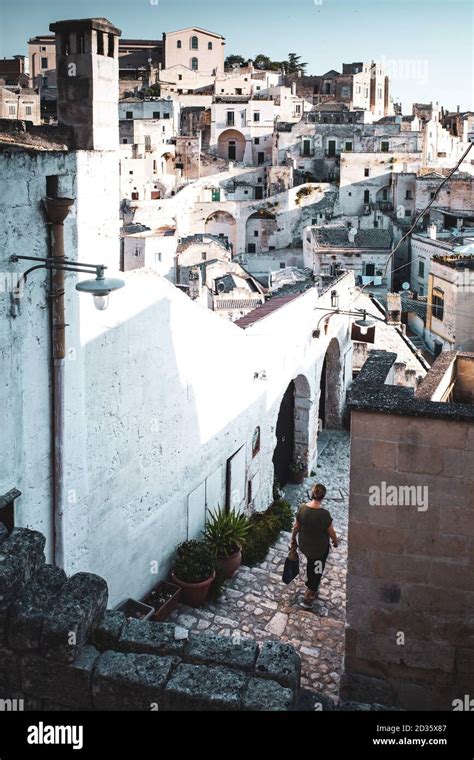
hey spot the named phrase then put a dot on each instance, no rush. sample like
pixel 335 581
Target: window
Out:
pixel 255 233
pixel 348 146
pixel 407 212
pixel 421 290
pixel 230 118
pixel 166 115
pixel 408 195
pixel 148 142
pixel 194 64
pixel 298 108
pixel 110 45
pixel 124 140
pixel 384 146
pixel 156 115
pixel 421 269
pixel 194 43
pixel 100 43
pixel 366 196
pixel 437 303
pixel 154 167
pixel 52 186
pixel 370 270
pixel 180 77
pixel 135 197
pixel 432 195
pixel 11 110
pixel 178 43
pixel 129 114
pixel 44 63
pixel 28 110
pixel 203 256
pixel 43 49
pixel 238 90
pixel 256 116
pixel 209 45
pixel 256 141
pixel 366 172
pixel 157 258
pixel 81 42
pixel 131 172
pixel 384 194
pixel 251 248
pixel 345 91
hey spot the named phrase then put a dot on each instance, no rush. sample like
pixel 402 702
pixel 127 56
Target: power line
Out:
pixel 417 219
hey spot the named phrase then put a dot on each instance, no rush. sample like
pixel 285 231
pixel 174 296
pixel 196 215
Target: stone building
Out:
pixel 365 252
pixel 21 104
pixel 242 129
pixel 194 48
pixel 152 435
pixel 410 577
pixel 449 322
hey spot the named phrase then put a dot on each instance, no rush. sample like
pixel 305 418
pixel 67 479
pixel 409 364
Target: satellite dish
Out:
pixel 406 286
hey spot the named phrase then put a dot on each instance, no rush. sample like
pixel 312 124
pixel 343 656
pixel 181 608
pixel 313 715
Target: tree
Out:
pixel 263 62
pixel 294 64
pixel 234 60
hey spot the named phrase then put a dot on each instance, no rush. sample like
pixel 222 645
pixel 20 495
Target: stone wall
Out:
pixel 410 587
pixel 61 649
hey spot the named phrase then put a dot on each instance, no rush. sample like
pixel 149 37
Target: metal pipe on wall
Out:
pixel 57 210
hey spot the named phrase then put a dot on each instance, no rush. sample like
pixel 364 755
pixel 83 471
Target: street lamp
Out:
pixel 363 322
pixel 99 288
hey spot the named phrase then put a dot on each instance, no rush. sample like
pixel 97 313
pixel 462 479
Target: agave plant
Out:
pixel 225 532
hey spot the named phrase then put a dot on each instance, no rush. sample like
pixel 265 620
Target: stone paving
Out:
pixel 257 604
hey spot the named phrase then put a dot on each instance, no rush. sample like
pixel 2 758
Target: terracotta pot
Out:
pixel 230 565
pixel 194 594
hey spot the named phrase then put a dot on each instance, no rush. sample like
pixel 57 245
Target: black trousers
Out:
pixel 314 569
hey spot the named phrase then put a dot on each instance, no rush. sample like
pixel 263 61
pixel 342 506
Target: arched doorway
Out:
pixel 260 231
pixel 222 224
pixel 231 145
pixel 331 387
pixel 285 435
pixel 296 430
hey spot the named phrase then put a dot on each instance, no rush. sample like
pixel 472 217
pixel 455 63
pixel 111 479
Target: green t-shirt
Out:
pixel 313 535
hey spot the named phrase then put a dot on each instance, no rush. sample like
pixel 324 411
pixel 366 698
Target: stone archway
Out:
pixel 331 388
pixel 305 436
pixel 167 163
pixel 260 231
pixel 231 145
pixel 222 224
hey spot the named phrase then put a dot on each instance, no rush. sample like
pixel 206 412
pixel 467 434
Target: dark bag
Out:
pixel 291 569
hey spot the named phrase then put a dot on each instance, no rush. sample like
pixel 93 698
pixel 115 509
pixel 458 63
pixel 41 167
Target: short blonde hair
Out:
pixel 318 492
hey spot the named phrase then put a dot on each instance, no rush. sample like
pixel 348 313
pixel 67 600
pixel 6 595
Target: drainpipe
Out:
pixel 57 210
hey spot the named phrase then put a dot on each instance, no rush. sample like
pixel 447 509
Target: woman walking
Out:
pixel 315 528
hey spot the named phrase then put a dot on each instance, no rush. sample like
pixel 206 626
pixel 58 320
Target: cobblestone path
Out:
pixel 257 604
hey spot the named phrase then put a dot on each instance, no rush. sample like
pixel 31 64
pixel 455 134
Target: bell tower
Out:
pixel 87 81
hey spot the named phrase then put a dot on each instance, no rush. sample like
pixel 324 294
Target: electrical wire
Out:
pixel 417 219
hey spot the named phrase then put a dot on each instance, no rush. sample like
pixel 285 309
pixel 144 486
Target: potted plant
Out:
pixel 225 533
pixel 164 598
pixel 194 571
pixel 297 470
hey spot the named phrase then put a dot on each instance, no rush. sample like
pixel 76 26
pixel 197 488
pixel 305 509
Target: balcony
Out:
pixel 385 205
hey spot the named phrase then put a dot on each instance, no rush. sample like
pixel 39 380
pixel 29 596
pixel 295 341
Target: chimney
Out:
pixel 432 231
pixel 293 88
pixel 394 309
pixel 87 81
pixel 351 234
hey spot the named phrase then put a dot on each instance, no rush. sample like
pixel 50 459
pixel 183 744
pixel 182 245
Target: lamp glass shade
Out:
pixel 100 286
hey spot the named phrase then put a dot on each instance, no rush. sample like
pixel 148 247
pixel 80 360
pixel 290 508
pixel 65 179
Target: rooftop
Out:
pixel 338 237
pixel 23 135
pixel 270 306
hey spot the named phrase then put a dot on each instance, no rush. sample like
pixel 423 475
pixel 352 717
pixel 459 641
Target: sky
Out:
pixel 426 45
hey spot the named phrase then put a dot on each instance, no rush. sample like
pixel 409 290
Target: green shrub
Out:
pixel 263 532
pixel 194 562
pixel 283 511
